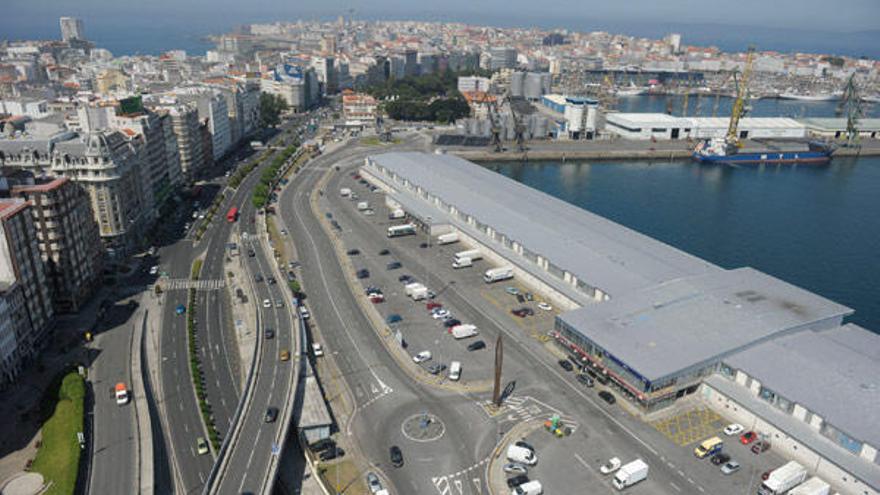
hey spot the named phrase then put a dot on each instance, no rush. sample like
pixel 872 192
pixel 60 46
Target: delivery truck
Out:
pixel 783 479
pixel 462 259
pixel 813 486
pixel 464 331
pixel 630 474
pixel 498 274
pixel 409 289
pixel 447 238
pixel 419 293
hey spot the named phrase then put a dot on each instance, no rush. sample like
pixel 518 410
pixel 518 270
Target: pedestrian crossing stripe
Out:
pixel 184 284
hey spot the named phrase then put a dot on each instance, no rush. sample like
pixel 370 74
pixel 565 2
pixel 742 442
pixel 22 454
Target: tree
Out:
pixel 271 107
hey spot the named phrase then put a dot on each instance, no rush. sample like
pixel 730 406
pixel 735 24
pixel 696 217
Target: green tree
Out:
pixel 271 107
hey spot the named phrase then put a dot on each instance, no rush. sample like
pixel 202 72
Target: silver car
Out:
pixel 730 467
pixel 373 482
pixel 515 468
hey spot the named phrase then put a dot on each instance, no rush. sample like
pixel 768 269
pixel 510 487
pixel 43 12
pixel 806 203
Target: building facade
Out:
pixel 68 240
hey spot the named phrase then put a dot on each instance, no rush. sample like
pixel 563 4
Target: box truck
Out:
pixel 447 238
pixel 409 288
pixel 813 486
pixel 345 192
pixel 498 274
pixel 463 331
pixel 419 293
pixel 630 474
pixel 396 213
pixel 466 258
pixel 783 479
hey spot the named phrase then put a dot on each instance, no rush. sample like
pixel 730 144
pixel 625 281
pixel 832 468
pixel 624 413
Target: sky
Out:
pixel 839 26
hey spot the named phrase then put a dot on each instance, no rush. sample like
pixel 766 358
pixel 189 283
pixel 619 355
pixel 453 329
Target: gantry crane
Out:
pixel 732 137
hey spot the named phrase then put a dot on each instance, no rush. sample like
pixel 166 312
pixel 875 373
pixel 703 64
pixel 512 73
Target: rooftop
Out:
pixel 596 250
pixel 661 330
pixel 838 375
pixel 838 124
pixel 11 206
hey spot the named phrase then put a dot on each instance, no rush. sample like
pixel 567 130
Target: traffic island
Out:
pixel 195 364
pixel 59 453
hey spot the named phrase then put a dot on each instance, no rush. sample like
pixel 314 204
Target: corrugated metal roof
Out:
pixel 598 251
pixel 838 375
pixel 667 328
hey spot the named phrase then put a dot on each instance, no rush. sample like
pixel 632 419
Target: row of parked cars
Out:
pixel 522 456
pixel 713 447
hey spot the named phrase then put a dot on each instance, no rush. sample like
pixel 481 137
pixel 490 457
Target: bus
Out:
pixel 401 230
pixel 232 214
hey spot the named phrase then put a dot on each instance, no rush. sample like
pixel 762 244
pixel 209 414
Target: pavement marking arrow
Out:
pixel 458 485
pixel 478 485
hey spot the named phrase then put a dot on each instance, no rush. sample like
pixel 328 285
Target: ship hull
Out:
pixel 769 157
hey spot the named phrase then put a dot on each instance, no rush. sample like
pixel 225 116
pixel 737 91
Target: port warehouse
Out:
pixel 663 126
pixel 662 324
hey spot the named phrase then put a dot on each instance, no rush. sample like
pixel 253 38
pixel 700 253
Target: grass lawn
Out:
pixel 58 457
pixel 350 481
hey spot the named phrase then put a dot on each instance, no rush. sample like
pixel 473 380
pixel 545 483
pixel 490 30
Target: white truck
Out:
pixel 521 455
pixel 464 331
pixel 419 293
pixel 783 479
pixel 630 474
pixel 396 213
pixel 363 205
pixel 447 238
pixel 462 259
pixel 813 486
pixel 415 288
pixel 498 274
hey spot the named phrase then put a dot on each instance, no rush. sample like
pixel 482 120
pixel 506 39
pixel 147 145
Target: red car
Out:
pixel 433 305
pixel 748 437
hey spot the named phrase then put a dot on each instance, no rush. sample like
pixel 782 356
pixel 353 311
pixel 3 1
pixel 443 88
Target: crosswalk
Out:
pixel 521 408
pixel 185 284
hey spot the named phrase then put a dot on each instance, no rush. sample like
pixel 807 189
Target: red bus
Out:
pixel 232 214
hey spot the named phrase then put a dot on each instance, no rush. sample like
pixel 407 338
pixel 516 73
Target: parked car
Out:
pixel 515 468
pixel 322 445
pixel 748 437
pixel 271 414
pixel 733 429
pixel 607 396
pixel 394 318
pixel 760 446
pixel 730 467
pixel 394 265
pixel 384 252
pixel 476 346
pixel 512 291
pixel 545 306
pixel 610 466
pixel 566 364
pixel 373 483
pixel 520 299
pixel 529 296
pixel 406 279
pixel 330 454
pixel 436 369
pixel 517 480
pixel 522 312
pixel 451 322
pixel 431 305
pixel 396 456
pixel 440 313
pixel 719 458
pixel 317 349
pixel 269 333
pixel 363 273
pixel 585 379
pixel 353 252
pixel 422 357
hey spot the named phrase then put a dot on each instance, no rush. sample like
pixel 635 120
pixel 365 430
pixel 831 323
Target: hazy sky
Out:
pixel 835 15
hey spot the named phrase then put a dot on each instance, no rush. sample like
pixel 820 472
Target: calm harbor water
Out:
pixel 815 227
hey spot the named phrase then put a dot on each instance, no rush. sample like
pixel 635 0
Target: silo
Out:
pixel 541 127
pixel 517 80
pixel 532 86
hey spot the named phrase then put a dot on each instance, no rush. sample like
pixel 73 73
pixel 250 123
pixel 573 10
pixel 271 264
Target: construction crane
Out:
pixel 739 104
pixel 851 105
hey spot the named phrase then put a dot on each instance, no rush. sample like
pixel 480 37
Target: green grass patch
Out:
pixel 59 454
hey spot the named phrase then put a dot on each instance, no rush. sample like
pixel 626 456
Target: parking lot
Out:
pixel 565 462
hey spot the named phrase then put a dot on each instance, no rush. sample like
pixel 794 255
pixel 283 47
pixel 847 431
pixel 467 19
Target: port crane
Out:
pixel 851 104
pixel 495 122
pixel 739 104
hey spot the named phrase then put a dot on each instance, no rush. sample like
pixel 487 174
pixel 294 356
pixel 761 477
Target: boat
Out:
pixel 721 151
pixel 632 90
pixel 809 97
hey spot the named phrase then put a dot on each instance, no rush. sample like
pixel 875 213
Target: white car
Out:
pixel 545 306
pixel 267 303
pixel 154 270
pixel 609 467
pixel 317 350
pixel 422 357
pixel 733 429
pixel 440 313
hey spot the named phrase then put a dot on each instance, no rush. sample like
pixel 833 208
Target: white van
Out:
pixel 529 488
pixel 454 370
pixel 521 455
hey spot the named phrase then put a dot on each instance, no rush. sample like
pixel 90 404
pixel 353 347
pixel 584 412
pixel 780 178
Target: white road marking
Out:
pixel 675 486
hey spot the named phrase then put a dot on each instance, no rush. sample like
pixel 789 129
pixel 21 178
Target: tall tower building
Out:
pixel 72 29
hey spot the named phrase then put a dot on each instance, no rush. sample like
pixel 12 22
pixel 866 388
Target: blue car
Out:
pixel 181 309
pixel 395 318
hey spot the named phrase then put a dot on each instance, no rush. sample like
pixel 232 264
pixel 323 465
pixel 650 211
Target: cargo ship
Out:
pixel 722 151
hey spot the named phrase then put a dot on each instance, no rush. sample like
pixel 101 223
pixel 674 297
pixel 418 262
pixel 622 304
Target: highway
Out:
pixel 179 413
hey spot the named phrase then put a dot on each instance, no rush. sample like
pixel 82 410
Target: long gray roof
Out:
pixel 598 251
pixel 838 375
pixel 682 323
